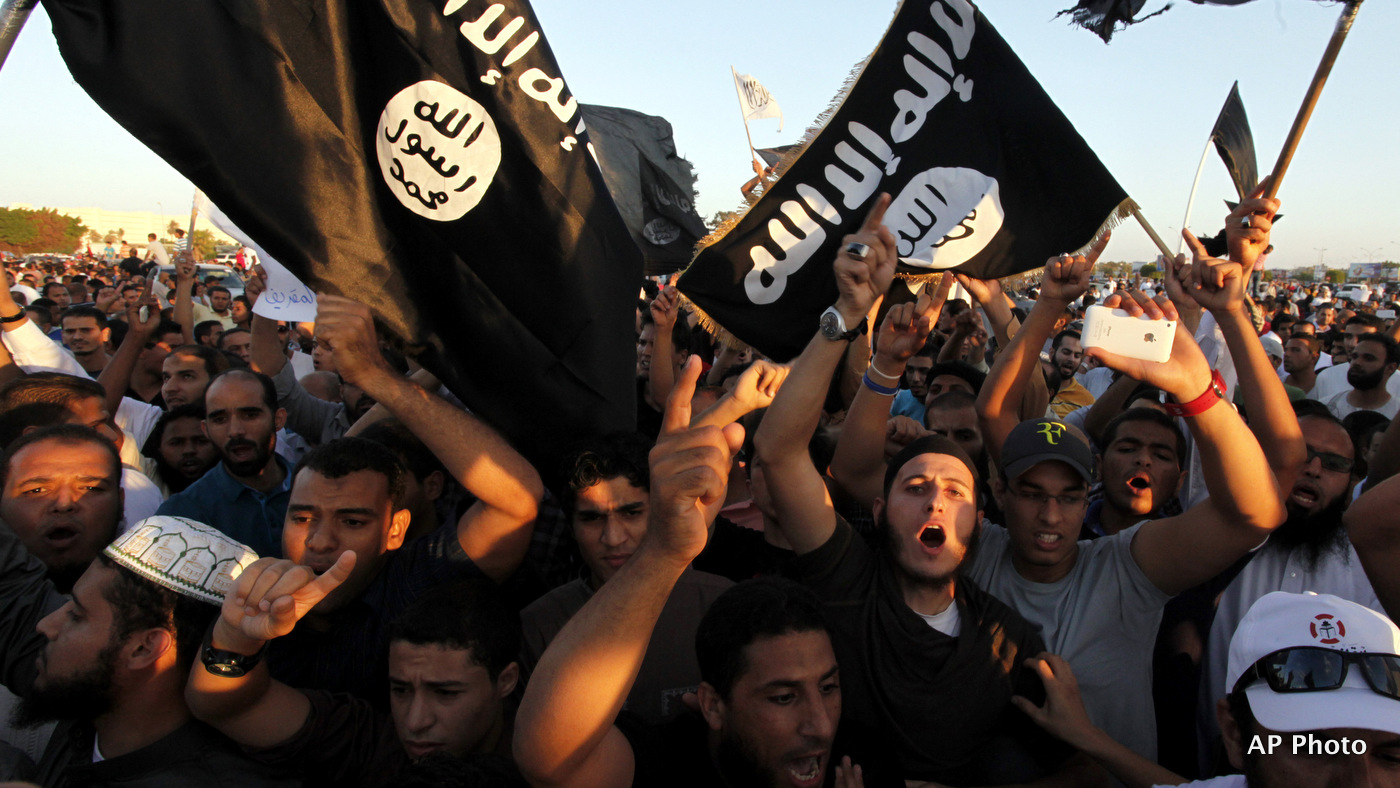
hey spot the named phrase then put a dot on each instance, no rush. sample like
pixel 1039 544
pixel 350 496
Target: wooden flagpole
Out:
pixel 13 14
pixel 1324 69
pixel 194 213
pixel 742 114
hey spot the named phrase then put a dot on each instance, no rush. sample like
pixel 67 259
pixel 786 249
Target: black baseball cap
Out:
pixel 1040 440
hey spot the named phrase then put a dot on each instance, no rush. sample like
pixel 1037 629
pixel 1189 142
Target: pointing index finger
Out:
pixel 677 416
pixel 876 217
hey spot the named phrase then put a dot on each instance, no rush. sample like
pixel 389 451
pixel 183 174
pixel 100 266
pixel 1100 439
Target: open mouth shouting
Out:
pixel 933 538
pixel 806 771
pixel 1140 483
pixel 1305 494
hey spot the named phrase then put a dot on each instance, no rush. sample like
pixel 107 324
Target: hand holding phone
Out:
pixel 1116 331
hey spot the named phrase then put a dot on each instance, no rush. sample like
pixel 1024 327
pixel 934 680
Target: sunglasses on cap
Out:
pixel 1314 669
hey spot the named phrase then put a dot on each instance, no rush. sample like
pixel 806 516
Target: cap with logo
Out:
pixel 185 556
pixel 1282 620
pixel 1040 440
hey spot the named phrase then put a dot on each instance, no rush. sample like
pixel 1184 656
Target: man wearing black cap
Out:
pixel 1099 603
pixel 911 634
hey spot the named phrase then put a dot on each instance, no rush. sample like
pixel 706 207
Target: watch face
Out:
pixel 831 324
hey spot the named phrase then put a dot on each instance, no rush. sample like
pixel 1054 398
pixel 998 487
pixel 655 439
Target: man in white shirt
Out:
pixel 155 250
pixel 1373 362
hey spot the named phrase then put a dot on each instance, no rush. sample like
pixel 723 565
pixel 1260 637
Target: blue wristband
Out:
pixel 888 391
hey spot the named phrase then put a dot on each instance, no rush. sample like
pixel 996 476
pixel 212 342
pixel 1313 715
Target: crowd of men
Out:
pixel 947 544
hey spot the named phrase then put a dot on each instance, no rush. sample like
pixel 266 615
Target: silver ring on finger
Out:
pixel 858 250
pixel 1247 222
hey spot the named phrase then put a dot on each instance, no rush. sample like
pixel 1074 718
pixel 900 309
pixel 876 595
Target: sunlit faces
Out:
pixel 442 700
pixel 239 343
pixel 1044 510
pixel 219 299
pixel 931 516
pixel 1298 357
pixel 1140 468
pixel 916 375
pixel 1316 487
pixel 83 336
pixel 241 425
pixel 610 519
pixel 777 725
pixel 185 449
pixel 1369 365
pixel 63 500
pixel 183 379
pixel 1067 357
pixel 326 517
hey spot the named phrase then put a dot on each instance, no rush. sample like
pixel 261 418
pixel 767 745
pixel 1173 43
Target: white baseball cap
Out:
pixel 1281 620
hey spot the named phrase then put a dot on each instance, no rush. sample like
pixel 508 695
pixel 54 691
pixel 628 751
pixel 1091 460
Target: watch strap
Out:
pixel 1214 392
pixel 14 318
pixel 228 664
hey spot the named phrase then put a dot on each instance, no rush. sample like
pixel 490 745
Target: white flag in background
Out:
pixel 755 99
pixel 285 298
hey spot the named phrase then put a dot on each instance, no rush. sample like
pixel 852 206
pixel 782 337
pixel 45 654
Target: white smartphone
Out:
pixel 1135 337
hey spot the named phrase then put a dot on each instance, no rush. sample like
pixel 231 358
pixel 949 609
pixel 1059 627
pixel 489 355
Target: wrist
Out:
pixel 383 385
pixel 851 313
pixel 226 637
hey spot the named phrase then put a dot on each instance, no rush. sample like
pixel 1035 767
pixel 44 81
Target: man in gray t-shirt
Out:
pixel 1099 603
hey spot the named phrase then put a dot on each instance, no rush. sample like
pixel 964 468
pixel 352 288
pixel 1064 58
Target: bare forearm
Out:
pixel 472 452
pixel 582 679
pixel 1270 412
pixel 252 709
pixel 1001 394
pixel 265 348
pixel 662 375
pixel 1238 477
pixel 859 462
pixel 1133 770
pixel 116 376
pixel 184 309
pixel 788 425
pixel 1375 533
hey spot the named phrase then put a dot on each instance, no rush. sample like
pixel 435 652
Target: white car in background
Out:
pixel 1358 293
pixel 224 275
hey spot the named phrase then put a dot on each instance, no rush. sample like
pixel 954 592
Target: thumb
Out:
pixel 1029 709
pixel 339 572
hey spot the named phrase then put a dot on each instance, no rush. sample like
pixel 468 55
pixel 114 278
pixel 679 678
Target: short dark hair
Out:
pixel 1364 319
pixel 212 289
pixel 754 609
pixel 957 399
pixel 167 327
pixel 471 615
pixel 204 328
pixel 961 369
pixel 955 307
pixel 70 434
pixel 53 387
pixel 47 285
pixel 619 454
pixel 138 604
pixel 269 389
pixel 224 336
pixel 1060 338
pixel 416 457
pixel 84 311
pixel 1151 416
pixel 1392 348
pixel 344 456
pixel 40 312
pixel 215 363
pixel 190 410
pixel 242 299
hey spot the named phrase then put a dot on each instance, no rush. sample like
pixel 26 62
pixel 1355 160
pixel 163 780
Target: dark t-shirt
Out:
pixel 676 755
pixel 944 703
pixel 648 418
pixel 739 553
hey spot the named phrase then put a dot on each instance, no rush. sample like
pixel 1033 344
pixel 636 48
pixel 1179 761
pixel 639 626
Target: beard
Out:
pixel 1316 536
pixel 79 697
pixel 249 467
pixel 739 765
pixel 933 582
pixel 1364 381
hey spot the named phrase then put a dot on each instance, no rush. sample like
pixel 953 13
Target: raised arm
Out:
pixel 1218 285
pixel 661 376
pixel 805 513
pixel 1244 506
pixel 270 597
pixel 1375 533
pixel 564 732
pixel 184 295
pixel 116 376
pixel 998 404
pixel 859 462
pixel 495 531
pixel 754 389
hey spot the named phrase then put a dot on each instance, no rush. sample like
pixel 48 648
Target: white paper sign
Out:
pixel 286 297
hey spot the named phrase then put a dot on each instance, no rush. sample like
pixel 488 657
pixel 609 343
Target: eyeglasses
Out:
pixel 1314 669
pixel 1331 462
pixel 1040 499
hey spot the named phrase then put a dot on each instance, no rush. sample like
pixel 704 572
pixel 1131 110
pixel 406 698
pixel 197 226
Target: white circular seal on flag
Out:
pixel 945 216
pixel 661 231
pixel 438 150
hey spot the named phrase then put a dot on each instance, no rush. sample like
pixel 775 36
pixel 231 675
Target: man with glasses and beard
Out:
pixel 246 494
pixel 1309 552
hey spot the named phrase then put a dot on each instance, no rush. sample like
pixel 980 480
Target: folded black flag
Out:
pixel 1235 143
pixel 988 177
pixel 1106 17
pixel 771 156
pixel 654 187
pixel 423 157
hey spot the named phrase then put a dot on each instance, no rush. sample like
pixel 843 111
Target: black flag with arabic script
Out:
pixel 988 177
pixel 424 157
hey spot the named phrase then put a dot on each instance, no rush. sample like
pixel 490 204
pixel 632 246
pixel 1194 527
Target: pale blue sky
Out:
pixel 1145 104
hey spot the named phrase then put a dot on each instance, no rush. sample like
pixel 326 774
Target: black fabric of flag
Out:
pixel 771 156
pixel 1106 17
pixel 425 158
pixel 1235 143
pixel 654 187
pixel 988 177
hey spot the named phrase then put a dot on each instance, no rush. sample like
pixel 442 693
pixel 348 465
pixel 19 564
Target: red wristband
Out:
pixel 1214 392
